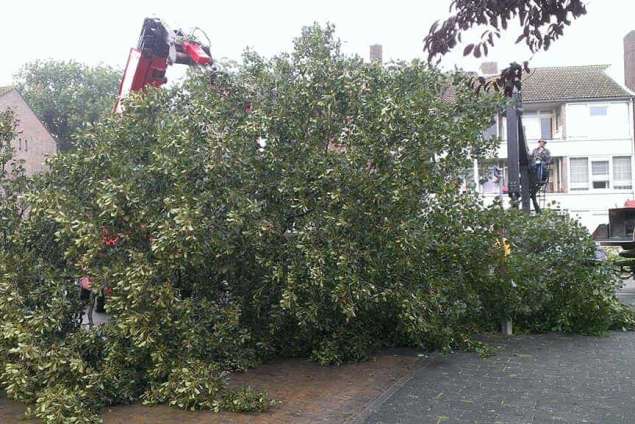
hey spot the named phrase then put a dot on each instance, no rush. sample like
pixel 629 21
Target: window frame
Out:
pixel 558 175
pixel 550 118
pixel 539 115
pixel 624 185
pixel 603 177
pixel 574 186
pixel 602 107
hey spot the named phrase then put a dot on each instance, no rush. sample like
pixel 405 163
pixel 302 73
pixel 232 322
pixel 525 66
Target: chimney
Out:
pixel 489 68
pixel 376 53
pixel 629 60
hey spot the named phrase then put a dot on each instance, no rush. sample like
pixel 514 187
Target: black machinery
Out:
pixel 523 184
pixel 619 232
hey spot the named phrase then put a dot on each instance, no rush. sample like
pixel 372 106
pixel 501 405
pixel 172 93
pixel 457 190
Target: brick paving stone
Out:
pixel 537 379
pixel 309 394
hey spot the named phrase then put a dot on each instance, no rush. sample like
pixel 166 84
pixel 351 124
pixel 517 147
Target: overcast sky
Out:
pixel 95 32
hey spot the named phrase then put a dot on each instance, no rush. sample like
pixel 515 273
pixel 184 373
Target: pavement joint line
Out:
pixel 373 405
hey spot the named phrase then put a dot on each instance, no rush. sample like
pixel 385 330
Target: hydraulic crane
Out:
pixel 524 184
pixel 159 47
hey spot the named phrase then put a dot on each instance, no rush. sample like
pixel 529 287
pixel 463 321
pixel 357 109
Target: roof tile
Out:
pixel 570 83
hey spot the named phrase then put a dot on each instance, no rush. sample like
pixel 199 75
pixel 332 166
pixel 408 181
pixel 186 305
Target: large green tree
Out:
pixel 67 96
pixel 306 205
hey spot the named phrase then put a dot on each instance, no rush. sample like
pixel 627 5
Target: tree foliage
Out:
pixel 13 181
pixel 8 133
pixel 541 23
pixel 67 96
pixel 305 205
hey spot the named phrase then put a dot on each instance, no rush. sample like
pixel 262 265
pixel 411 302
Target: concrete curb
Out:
pixel 374 404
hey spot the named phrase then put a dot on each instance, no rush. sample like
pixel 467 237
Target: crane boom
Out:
pixel 158 47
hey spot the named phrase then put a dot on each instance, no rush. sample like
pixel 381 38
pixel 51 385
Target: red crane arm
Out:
pixel 158 47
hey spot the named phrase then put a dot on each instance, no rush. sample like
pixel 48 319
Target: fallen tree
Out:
pixel 305 205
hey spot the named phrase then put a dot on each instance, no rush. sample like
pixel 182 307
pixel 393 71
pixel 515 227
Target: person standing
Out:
pixel 540 159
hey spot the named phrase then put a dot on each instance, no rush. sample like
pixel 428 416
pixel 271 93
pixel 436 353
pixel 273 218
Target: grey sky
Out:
pixel 103 31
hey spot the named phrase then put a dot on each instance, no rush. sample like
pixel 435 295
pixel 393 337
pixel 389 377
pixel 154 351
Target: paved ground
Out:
pixel 532 379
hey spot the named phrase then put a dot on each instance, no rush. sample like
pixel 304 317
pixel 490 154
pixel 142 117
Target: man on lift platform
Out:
pixel 540 161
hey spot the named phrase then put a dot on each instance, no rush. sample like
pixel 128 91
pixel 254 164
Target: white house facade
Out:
pixel 587 120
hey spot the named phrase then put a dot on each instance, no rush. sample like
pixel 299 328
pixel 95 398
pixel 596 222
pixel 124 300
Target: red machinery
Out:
pixel 158 48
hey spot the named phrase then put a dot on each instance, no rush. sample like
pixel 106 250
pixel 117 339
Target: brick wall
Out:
pixel 34 144
pixel 376 53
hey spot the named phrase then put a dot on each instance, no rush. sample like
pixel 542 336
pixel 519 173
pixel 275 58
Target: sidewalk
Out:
pixel 531 380
pixel 541 379
pixel 308 394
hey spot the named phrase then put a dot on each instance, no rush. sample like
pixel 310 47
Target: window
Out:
pixel 557 176
pixel 545 128
pixel 622 177
pixel 26 145
pixel 600 174
pixel 538 125
pixel 598 110
pixel 579 169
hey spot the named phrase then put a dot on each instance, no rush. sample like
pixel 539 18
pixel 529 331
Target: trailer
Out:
pixel 620 232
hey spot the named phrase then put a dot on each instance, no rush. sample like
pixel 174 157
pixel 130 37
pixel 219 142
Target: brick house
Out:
pixel 34 143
